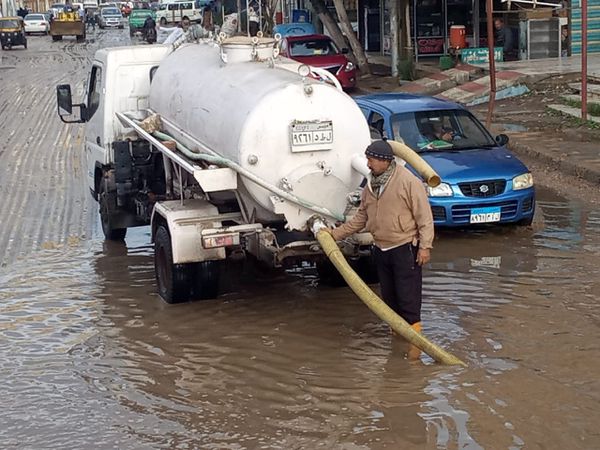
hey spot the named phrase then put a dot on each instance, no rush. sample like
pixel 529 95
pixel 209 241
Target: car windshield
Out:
pixel 314 47
pixel 450 129
pixel 9 24
pixel 34 17
pixel 110 12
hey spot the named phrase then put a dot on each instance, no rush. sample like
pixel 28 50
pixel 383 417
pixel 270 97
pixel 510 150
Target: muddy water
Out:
pixel 90 357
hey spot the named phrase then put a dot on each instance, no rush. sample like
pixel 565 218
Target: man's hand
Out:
pixel 423 256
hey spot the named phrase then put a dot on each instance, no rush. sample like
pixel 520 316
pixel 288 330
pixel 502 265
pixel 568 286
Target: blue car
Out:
pixel 482 181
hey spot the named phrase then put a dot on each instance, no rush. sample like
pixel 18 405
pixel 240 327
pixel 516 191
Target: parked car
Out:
pixel 137 19
pixel 318 50
pixel 110 17
pixel 36 23
pixel 482 181
pixel 294 29
pixel 172 12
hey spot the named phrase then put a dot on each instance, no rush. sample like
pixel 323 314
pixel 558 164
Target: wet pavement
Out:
pixel 91 357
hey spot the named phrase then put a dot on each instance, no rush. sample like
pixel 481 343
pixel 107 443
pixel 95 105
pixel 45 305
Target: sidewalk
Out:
pixel 512 79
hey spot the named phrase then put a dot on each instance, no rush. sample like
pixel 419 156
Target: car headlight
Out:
pixel 349 66
pixel 441 190
pixel 523 181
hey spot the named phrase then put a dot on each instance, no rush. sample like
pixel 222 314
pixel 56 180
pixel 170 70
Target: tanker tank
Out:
pixel 295 132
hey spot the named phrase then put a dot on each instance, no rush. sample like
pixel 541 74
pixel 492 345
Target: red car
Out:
pixel 318 50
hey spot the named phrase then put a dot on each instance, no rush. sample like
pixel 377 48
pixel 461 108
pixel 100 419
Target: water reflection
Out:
pixel 281 361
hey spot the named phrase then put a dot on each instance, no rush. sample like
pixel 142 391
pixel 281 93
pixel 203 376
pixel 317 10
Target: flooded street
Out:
pixel 91 357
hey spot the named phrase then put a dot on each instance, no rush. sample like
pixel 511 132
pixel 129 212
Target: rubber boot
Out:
pixel 414 352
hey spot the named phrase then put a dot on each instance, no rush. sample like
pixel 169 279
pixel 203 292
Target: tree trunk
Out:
pixel 359 53
pixel 406 63
pixel 329 23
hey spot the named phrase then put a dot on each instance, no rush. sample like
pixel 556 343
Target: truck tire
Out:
pixel 206 280
pixel 80 38
pixel 174 281
pixel 163 21
pixel 110 233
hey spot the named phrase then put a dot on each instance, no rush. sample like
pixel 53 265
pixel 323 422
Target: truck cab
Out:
pixel 119 81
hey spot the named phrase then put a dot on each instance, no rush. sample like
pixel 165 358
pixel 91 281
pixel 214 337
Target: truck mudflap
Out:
pixel 186 220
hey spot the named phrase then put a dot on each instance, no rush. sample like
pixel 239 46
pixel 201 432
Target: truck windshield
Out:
pixel 111 12
pixel 451 129
pixel 315 47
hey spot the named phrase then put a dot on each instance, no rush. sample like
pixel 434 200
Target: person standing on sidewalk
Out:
pixel 395 209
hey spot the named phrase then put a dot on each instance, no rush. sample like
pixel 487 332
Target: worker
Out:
pixel 503 38
pixel 395 209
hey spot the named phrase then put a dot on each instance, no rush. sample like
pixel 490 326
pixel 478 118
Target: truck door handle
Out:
pixel 98 140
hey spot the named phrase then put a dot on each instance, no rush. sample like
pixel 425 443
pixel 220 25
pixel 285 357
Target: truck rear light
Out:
pixel 221 240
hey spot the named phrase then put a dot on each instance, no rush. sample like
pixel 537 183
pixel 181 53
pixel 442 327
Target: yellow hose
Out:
pixel 419 164
pixel 375 304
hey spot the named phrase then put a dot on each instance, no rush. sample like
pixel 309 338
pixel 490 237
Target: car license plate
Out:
pixel 485 215
pixel 309 136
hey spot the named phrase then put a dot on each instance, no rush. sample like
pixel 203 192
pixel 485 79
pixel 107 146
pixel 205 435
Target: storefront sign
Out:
pixel 480 55
pixel 430 46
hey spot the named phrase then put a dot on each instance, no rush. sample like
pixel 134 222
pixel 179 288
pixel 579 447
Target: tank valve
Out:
pixel 322 165
pixel 252 159
pixel 353 198
pixel 286 185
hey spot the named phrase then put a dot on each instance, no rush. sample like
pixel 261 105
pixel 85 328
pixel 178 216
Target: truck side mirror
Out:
pixel 65 104
pixel 502 140
pixel 64 99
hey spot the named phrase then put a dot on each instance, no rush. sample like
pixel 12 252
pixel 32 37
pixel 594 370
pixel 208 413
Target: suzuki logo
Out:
pixel 484 188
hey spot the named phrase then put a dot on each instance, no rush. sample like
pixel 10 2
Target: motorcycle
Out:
pixel 150 35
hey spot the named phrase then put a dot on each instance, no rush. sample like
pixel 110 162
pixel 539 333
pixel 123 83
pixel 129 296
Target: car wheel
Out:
pixel 525 222
pixel 163 21
pixel 174 281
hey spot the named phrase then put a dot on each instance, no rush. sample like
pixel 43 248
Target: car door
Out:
pixel 94 130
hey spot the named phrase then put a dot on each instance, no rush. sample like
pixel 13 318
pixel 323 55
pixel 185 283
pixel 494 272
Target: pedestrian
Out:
pixel 503 38
pixel 253 22
pixel 395 209
pixel 207 19
pixel 564 41
pixel 91 19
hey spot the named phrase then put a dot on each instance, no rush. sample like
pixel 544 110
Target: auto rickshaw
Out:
pixel 12 32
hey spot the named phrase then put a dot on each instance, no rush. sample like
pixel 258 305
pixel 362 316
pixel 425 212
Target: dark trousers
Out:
pixel 401 280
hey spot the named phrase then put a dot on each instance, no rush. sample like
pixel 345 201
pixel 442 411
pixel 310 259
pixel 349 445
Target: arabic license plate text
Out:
pixel 485 215
pixel 312 133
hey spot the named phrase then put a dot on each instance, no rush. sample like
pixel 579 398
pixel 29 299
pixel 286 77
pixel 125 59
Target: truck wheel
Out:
pixel 206 280
pixel 174 281
pixel 329 275
pixel 163 21
pixel 110 233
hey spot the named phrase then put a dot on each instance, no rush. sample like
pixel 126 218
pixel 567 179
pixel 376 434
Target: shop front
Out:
pixel 431 21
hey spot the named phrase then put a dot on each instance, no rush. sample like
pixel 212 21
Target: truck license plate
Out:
pixel 310 136
pixel 485 215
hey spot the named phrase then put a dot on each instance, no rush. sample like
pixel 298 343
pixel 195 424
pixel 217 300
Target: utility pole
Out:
pixel 395 35
pixel 584 42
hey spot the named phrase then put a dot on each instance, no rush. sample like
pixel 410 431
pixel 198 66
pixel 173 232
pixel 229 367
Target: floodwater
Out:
pixel 91 357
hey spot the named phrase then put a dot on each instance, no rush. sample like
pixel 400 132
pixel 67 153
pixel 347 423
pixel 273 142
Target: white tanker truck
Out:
pixel 247 149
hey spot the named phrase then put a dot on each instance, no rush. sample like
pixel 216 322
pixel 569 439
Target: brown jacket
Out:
pixel 401 214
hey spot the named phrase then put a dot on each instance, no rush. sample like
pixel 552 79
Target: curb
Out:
pixel 563 165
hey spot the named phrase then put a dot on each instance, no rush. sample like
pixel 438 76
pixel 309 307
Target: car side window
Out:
pixel 95 89
pixel 376 125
